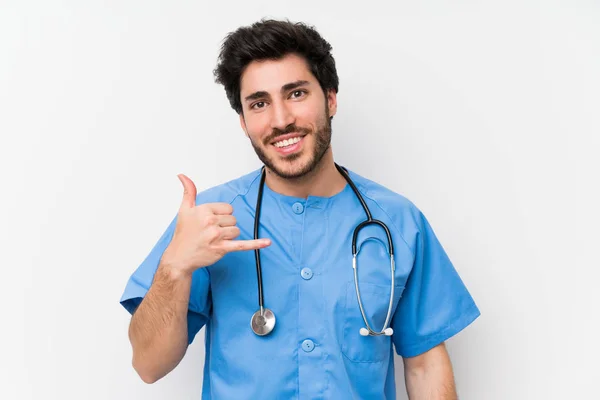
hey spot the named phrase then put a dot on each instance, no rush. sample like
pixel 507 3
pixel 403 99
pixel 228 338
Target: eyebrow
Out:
pixel 284 88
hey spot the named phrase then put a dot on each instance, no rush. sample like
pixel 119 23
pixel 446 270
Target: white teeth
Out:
pixel 287 142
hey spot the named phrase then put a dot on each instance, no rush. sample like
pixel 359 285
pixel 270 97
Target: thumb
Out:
pixel 189 192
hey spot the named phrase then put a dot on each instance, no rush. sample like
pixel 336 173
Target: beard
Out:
pixel 322 136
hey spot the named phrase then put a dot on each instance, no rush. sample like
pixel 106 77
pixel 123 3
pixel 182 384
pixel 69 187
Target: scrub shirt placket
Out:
pixel 312 377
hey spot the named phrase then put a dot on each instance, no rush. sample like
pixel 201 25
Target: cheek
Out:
pixel 313 121
pixel 257 127
pixel 311 114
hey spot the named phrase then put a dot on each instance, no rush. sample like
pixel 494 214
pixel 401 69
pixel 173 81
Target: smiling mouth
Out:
pixel 287 142
pixel 289 146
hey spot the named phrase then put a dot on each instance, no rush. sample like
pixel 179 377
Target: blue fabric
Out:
pixel 315 350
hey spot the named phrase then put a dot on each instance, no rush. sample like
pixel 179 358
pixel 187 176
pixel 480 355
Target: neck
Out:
pixel 323 181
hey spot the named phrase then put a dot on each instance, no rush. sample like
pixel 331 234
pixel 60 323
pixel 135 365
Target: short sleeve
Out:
pixel 435 304
pixel 141 279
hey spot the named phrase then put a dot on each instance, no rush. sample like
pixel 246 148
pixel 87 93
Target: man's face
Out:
pixel 286 115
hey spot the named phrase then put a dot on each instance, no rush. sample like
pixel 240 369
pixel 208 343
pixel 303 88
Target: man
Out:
pixel 281 79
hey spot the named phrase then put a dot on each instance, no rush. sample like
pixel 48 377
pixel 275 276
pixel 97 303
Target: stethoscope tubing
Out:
pixel 256 251
pixel 369 221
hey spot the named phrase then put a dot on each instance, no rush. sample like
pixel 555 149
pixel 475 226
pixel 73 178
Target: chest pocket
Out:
pixel 375 299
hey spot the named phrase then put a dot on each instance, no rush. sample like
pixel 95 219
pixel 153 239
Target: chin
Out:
pixel 291 169
pixel 300 161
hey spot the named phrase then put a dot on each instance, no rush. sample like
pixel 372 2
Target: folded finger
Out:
pixel 230 232
pixel 220 208
pixel 226 220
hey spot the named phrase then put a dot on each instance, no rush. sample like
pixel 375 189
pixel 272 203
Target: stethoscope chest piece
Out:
pixel 263 322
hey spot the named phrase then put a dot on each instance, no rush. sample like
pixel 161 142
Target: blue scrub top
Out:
pixel 315 350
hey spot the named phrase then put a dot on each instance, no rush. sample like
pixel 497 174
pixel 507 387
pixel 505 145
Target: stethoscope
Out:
pixel 263 320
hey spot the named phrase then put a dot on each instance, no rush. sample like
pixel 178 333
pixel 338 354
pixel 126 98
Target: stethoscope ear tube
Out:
pixel 368 331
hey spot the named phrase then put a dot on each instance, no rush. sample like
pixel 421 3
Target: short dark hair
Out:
pixel 272 39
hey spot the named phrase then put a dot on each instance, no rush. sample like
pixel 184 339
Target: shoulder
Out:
pixel 228 191
pixel 384 197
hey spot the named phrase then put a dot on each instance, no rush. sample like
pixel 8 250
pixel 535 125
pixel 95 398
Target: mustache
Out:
pixel 292 128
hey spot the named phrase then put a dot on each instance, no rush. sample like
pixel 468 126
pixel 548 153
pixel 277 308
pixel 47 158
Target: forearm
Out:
pixel 431 377
pixel 158 329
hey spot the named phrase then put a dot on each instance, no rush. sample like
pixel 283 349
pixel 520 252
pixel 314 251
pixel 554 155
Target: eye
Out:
pixel 257 105
pixel 298 93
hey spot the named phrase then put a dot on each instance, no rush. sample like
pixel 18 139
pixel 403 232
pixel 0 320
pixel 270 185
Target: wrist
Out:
pixel 174 270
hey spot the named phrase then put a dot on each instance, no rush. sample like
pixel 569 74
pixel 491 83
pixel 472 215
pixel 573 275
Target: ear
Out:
pixel 243 124
pixel 332 102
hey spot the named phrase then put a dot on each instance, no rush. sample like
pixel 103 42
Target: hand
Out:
pixel 204 233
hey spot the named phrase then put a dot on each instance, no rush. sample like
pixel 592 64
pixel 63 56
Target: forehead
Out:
pixel 271 75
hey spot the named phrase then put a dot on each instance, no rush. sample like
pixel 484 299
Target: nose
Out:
pixel 282 116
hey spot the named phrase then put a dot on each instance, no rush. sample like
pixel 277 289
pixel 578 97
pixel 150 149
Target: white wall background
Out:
pixel 484 113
